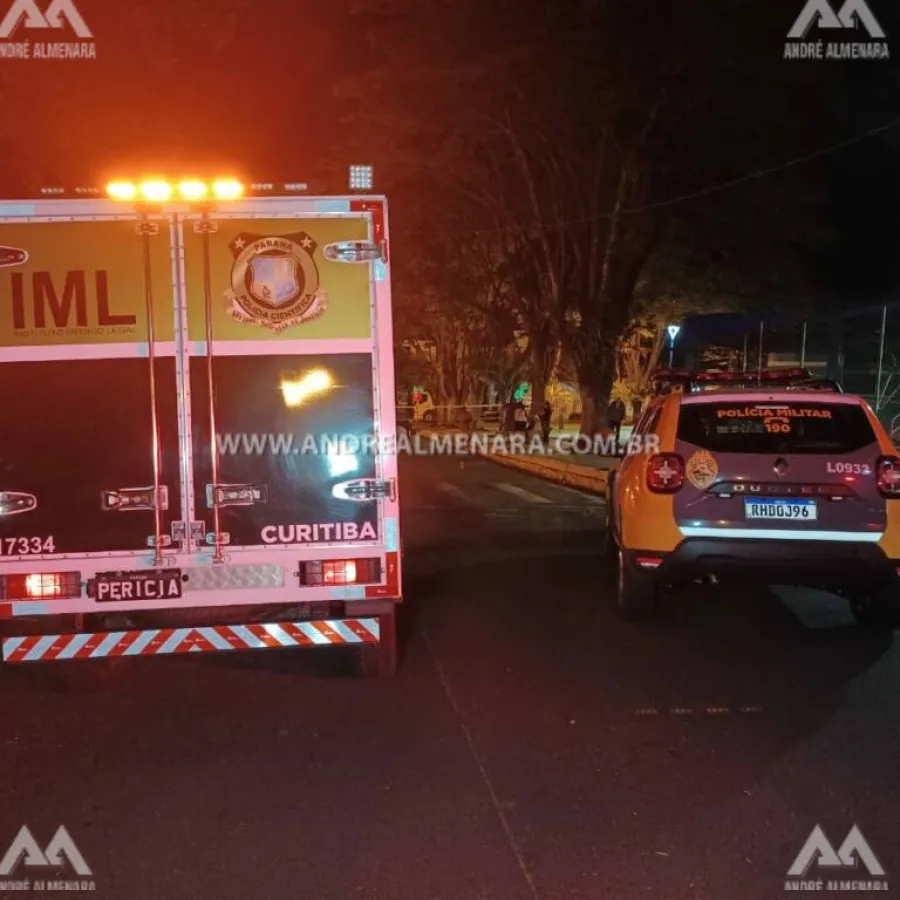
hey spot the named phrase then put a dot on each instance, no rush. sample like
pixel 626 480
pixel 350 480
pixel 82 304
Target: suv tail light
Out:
pixel 665 473
pixel 887 472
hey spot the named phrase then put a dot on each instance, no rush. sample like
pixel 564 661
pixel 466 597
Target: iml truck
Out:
pixel 197 448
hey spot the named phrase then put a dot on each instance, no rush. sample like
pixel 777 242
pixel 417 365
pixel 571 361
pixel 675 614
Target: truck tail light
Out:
pixel 41 586
pixel 665 473
pixel 887 473
pixel 328 572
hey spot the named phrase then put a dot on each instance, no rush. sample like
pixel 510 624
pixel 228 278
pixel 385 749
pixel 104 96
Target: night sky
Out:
pixel 180 85
pixel 249 88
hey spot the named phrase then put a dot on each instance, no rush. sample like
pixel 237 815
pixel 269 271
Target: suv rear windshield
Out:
pixel 772 427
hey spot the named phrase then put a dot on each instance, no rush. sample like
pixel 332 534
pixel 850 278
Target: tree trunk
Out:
pixel 596 373
pixel 540 364
pixel 589 417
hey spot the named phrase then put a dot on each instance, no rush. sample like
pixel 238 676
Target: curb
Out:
pixel 584 478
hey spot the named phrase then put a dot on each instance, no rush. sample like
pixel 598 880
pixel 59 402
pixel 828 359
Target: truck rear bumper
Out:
pixel 351 632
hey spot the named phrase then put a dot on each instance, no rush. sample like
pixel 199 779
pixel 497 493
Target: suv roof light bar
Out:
pixel 665 380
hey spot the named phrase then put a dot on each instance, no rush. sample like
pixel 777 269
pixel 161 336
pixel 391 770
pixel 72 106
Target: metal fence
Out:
pixel 857 347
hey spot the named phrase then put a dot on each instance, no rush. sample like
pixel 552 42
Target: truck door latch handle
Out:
pixel 129 499
pixel 236 494
pixel 364 489
pixel 14 502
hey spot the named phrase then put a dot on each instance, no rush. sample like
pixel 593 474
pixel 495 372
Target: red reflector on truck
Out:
pixel 41 586
pixel 340 571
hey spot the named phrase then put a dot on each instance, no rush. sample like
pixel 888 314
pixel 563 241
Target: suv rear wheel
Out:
pixel 637 592
pixel 879 609
pixel 610 545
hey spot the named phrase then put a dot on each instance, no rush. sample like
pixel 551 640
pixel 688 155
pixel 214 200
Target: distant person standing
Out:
pixel 615 415
pixel 636 407
pixel 520 415
pixel 546 415
pixel 509 416
pixel 466 421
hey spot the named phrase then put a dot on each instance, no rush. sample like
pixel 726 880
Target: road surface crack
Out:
pixel 485 777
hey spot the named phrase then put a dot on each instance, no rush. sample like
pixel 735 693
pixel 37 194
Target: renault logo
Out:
pixel 781 466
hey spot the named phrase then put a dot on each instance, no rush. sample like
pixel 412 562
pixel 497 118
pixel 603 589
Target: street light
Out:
pixel 674 331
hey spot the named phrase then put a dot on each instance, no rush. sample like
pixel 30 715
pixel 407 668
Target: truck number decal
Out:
pixel 848 468
pixel 26 546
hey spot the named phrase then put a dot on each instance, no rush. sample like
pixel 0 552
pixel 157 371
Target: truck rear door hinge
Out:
pixel 364 489
pixel 236 494
pixel 128 499
pixel 205 226
pixel 197 531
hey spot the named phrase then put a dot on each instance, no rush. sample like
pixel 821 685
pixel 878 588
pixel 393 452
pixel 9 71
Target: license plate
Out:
pixel 156 584
pixel 787 510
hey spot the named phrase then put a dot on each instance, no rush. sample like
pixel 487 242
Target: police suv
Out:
pixel 770 476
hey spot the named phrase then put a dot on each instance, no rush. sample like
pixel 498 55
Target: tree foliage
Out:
pixel 583 142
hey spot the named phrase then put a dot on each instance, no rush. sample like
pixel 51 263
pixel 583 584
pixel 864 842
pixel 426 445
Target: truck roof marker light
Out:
pixel 361 178
pixel 192 189
pixel 227 189
pixel 122 190
pixel 156 191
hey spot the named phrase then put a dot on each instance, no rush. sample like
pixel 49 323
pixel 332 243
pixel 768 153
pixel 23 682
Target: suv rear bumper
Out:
pixel 831 565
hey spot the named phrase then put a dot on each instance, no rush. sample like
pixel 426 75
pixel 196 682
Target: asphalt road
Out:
pixel 532 745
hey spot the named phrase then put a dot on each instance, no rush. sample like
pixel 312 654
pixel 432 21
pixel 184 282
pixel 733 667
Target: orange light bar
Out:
pixel 159 190
pixel 156 191
pixel 192 189
pixel 227 189
pixel 121 190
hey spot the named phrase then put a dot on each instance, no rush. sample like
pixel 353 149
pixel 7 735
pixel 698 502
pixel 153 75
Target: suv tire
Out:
pixel 610 545
pixel 637 592
pixel 879 609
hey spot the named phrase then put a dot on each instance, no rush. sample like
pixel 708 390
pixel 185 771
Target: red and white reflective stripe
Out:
pixel 203 639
